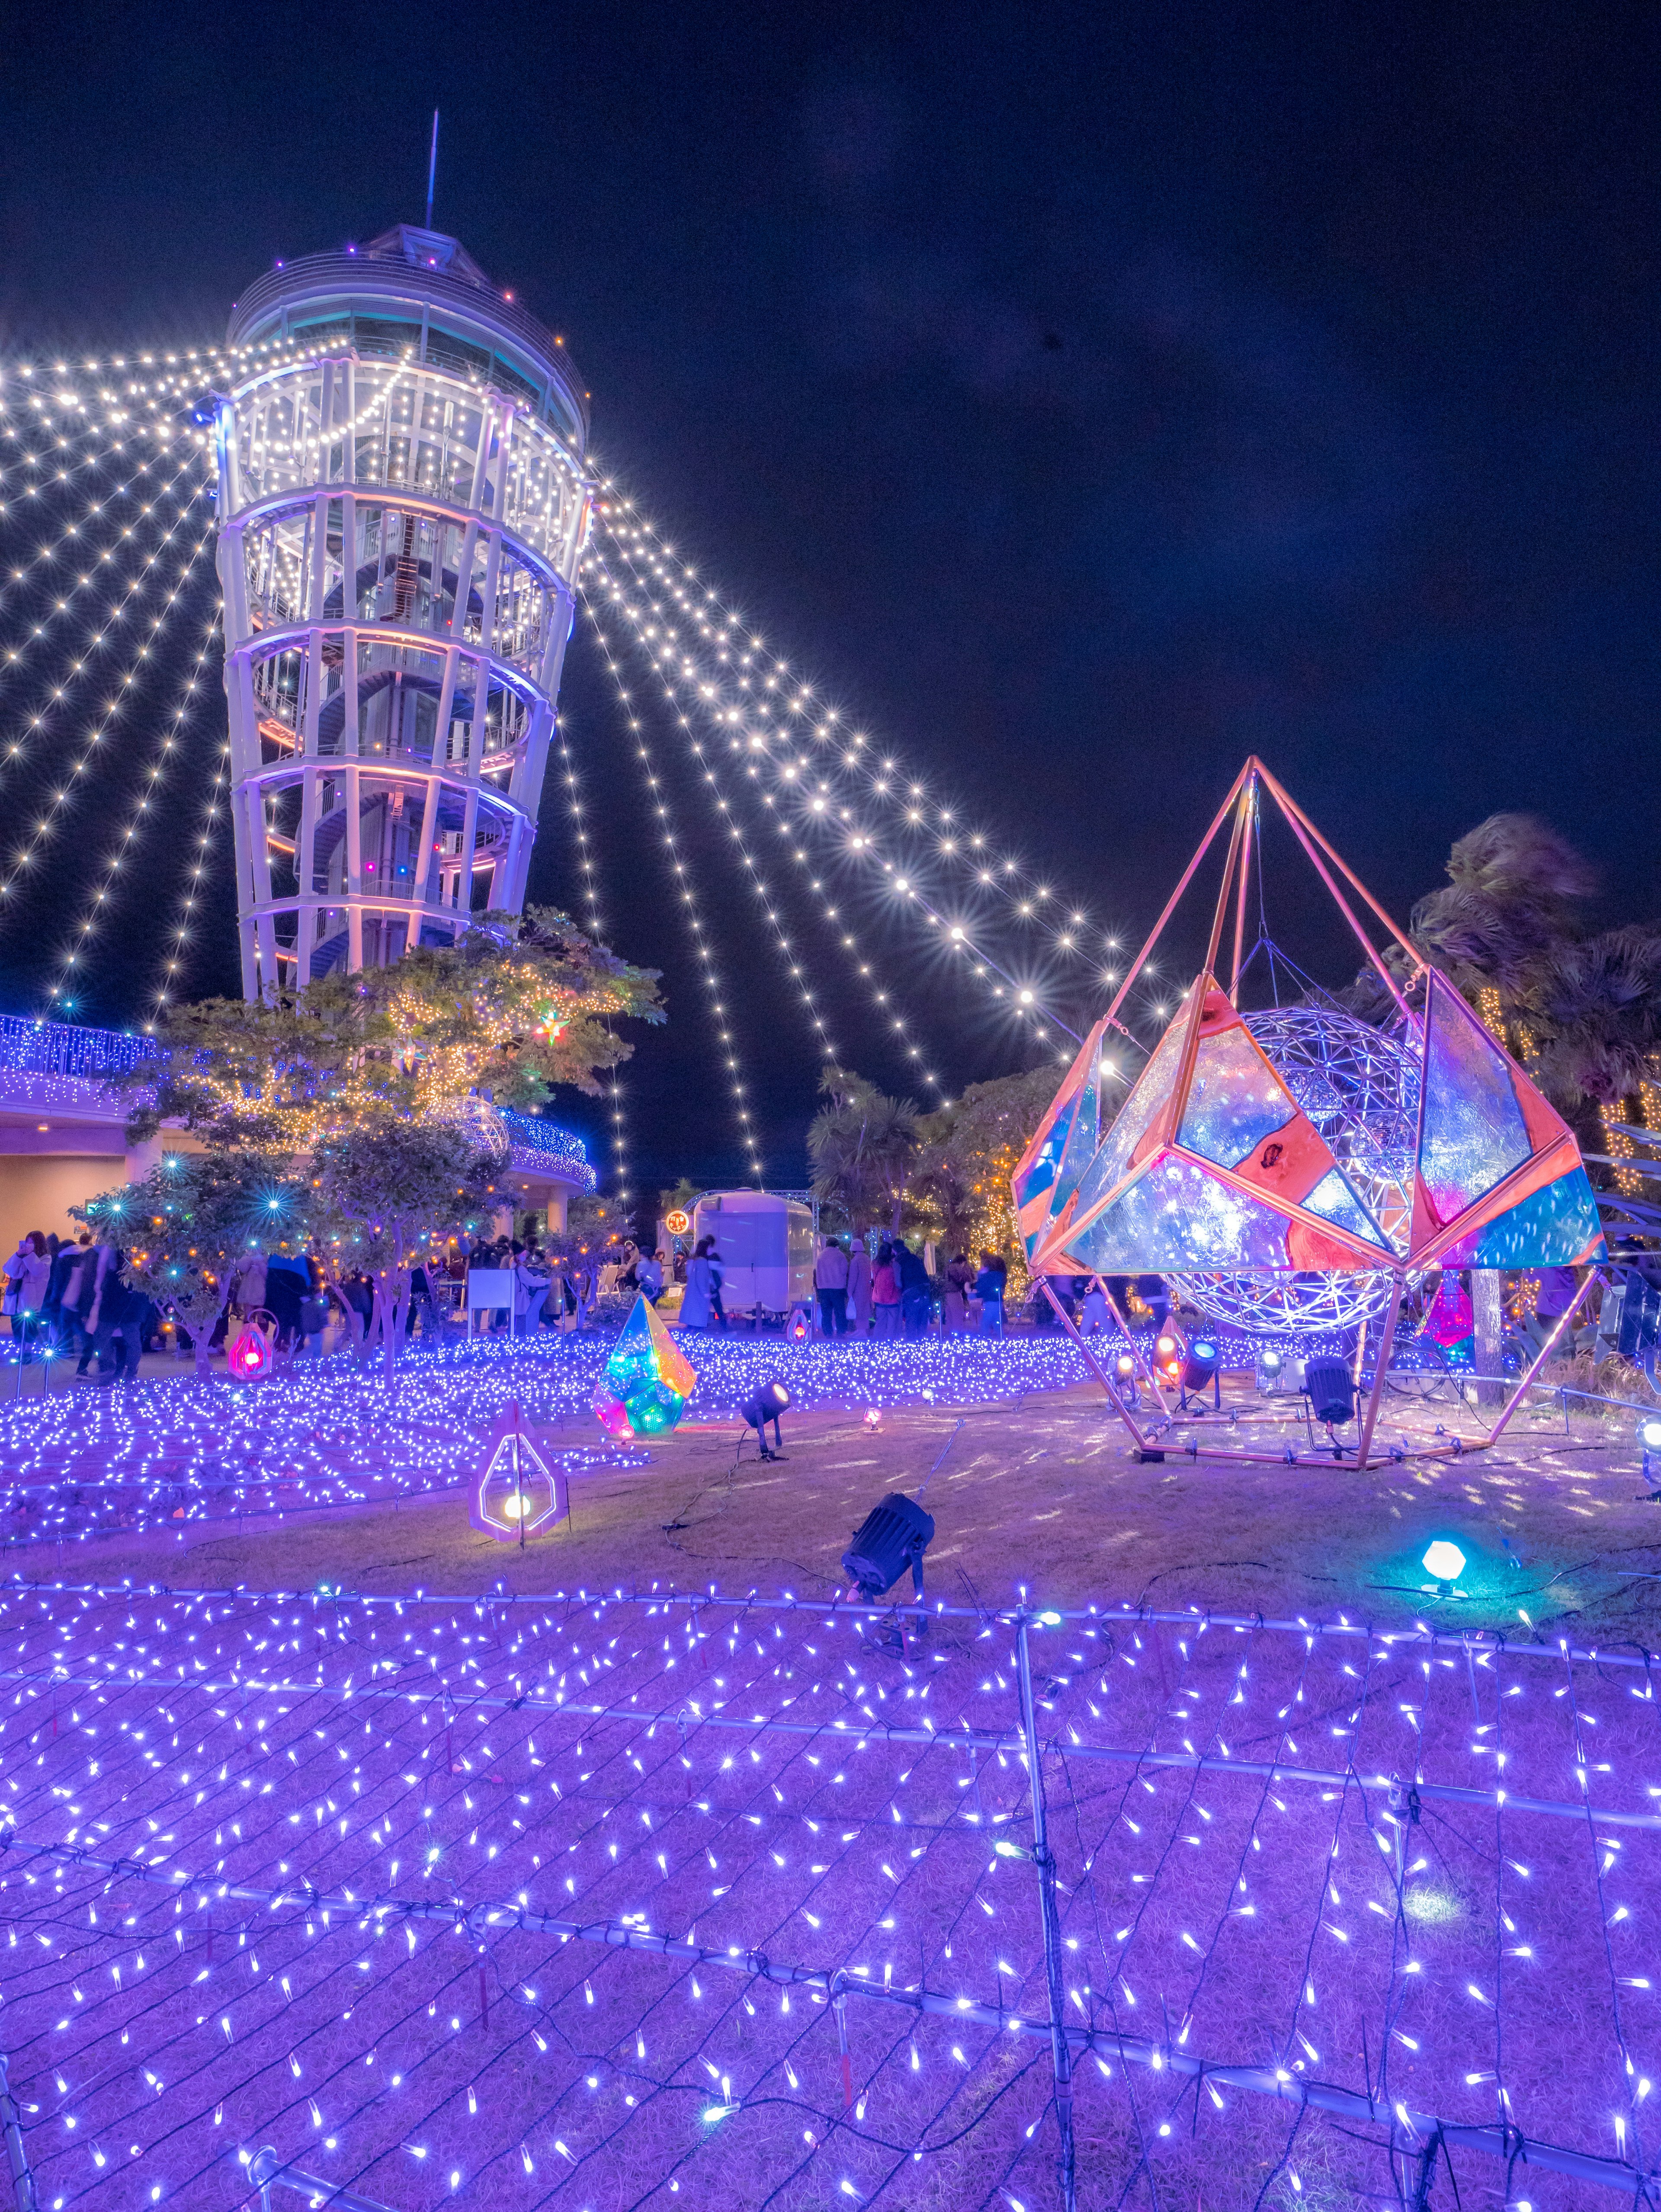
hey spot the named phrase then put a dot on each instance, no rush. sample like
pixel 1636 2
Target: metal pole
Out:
pixel 17 2160
pixel 1386 1345
pixel 1059 2050
pixel 1546 1351
pixel 1095 1367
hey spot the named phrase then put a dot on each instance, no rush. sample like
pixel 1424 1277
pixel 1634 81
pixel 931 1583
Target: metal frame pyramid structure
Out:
pixel 1210 1165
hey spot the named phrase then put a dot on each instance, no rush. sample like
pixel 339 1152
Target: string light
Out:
pixel 20 658
pixel 885 997
pixel 705 957
pixel 150 791
pixel 848 842
pixel 71 783
pixel 726 675
pixel 196 867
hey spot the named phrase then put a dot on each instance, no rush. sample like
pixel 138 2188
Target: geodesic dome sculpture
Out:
pixel 1359 1088
pixel 1292 1168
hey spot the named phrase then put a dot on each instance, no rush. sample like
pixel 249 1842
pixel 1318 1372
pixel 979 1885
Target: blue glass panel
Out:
pixel 1552 1228
pixel 1235 1100
pixel 1333 1199
pixel 1474 1130
pixel 1085 1136
pixel 1151 1088
pixel 1176 1216
pixel 1042 1173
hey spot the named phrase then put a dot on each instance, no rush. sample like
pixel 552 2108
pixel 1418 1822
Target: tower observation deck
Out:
pixel 402 505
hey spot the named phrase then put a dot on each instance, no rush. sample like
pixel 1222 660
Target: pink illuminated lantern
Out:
pixel 519 1490
pixel 253 1355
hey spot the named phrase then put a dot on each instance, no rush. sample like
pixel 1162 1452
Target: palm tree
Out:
pixel 862 1143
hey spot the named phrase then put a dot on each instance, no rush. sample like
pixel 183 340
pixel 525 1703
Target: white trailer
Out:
pixel 763 1248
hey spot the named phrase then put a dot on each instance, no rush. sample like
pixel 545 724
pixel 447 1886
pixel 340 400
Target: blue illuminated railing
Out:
pixel 65 1048
pixel 556 1151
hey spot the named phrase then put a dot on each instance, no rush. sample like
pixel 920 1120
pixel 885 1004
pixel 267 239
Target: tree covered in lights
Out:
pixel 377 1191
pixel 184 1227
pixel 520 1005
pixel 966 1154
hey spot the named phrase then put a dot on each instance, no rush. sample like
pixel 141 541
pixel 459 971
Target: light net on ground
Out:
pixel 594 1902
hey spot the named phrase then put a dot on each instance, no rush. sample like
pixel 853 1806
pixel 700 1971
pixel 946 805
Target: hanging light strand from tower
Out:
pixel 719 1008
pixel 739 682
pixel 73 781
pixel 853 847
pixel 150 793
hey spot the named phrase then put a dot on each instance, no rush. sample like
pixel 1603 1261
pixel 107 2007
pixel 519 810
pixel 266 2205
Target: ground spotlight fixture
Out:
pixel 893 1536
pixel 1330 1390
pixel 1125 1370
pixel 1201 1364
pixel 1169 1353
pixel 1444 1562
pixel 1271 1370
pixel 767 1402
pixel 1649 1437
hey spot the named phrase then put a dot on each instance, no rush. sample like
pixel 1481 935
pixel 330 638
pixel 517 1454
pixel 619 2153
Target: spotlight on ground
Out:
pixel 1169 1353
pixel 1271 1371
pixel 1444 1562
pixel 1201 1363
pixel 893 1536
pixel 768 1401
pixel 1331 1392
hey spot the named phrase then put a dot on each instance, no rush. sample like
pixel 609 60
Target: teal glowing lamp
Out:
pixel 1444 1562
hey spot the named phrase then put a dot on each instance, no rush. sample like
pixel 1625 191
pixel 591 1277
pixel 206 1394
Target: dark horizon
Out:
pixel 1080 404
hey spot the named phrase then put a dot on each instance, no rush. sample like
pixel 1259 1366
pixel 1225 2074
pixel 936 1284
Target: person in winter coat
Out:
pixel 831 1281
pixel 885 1292
pixel 988 1289
pixel 954 1300
pixel 248 1284
pixel 916 1298
pixel 117 1321
pixel 697 1305
pixel 28 1273
pixel 859 1288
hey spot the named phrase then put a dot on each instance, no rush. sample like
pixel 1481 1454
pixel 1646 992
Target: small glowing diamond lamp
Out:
pixel 1444 1561
pixel 519 1489
pixel 253 1355
pixel 647 1379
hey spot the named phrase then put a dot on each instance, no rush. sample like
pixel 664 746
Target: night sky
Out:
pixel 1081 398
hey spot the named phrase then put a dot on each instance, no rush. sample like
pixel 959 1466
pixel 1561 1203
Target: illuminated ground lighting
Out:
pixel 438 1897
pixel 1444 1562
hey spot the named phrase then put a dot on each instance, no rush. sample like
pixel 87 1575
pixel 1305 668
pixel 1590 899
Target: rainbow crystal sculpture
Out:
pixel 1258 1146
pixel 647 1378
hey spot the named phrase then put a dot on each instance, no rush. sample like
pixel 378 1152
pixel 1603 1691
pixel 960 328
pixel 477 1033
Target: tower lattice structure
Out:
pixel 403 506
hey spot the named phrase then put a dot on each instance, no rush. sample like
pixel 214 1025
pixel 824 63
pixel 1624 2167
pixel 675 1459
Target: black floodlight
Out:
pixel 1329 1390
pixel 765 1403
pixel 892 1537
pixel 1201 1363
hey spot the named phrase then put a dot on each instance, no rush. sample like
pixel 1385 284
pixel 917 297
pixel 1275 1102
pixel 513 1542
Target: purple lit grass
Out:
pixel 441 1756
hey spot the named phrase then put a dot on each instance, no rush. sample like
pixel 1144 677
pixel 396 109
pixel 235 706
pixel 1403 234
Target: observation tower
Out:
pixel 402 505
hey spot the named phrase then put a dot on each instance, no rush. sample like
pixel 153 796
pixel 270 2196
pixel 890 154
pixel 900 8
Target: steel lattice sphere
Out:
pixel 477 1121
pixel 1360 1087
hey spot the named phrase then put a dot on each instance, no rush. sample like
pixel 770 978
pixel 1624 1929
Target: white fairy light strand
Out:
pixel 849 844
pixel 885 999
pixel 103 565
pixel 882 776
pixel 72 780
pixel 688 903
pixel 150 790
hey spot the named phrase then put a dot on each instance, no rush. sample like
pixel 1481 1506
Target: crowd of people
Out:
pixel 73 1296
pixel 893 1294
